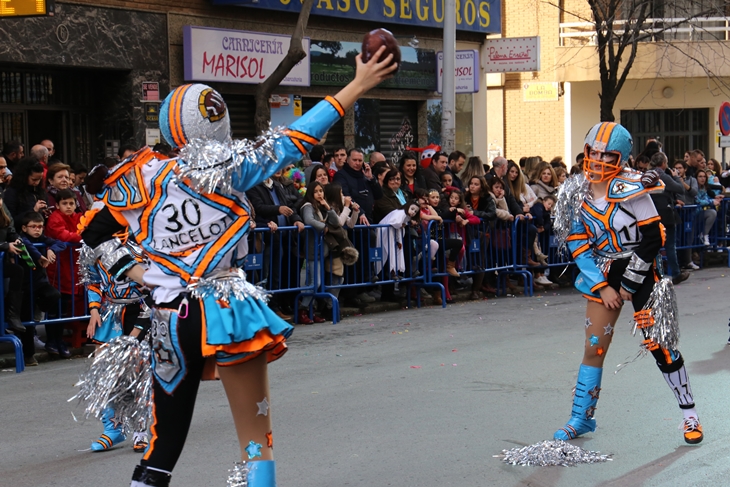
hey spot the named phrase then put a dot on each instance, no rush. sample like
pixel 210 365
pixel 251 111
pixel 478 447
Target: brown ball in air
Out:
pixel 380 37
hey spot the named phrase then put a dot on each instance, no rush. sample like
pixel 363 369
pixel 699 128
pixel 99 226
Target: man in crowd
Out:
pixel 13 152
pixel 356 179
pixel 48 144
pixel 665 202
pixel 269 203
pixel 340 158
pixel 432 174
pixel 456 163
pixel 3 173
pixel 376 157
pixel 686 198
pixel 695 162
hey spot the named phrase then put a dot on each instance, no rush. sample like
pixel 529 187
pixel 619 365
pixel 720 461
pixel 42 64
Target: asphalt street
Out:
pixel 420 398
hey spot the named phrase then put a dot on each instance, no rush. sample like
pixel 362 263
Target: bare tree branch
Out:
pixel 295 54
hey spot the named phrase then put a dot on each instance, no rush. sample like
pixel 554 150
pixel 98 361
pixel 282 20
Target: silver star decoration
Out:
pixel 263 407
pixel 608 329
pixel 117 326
pixel 588 322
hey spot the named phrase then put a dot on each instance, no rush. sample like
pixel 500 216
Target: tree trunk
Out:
pixel 293 56
pixel 608 99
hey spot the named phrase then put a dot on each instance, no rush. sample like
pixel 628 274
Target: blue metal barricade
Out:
pixel 388 255
pixel 4 336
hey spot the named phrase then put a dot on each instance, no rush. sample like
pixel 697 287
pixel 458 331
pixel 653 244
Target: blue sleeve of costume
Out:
pixel 301 136
pixel 580 249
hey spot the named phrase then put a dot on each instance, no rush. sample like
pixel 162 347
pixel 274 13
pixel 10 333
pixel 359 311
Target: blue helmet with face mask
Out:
pixel 607 138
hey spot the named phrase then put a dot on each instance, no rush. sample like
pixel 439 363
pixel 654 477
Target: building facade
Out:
pixel 673 92
pixel 90 77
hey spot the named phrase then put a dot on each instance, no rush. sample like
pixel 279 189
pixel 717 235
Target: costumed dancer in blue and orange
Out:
pixel 611 226
pixel 117 308
pixel 190 216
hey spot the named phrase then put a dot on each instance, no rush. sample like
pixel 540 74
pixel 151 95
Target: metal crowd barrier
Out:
pixel 292 262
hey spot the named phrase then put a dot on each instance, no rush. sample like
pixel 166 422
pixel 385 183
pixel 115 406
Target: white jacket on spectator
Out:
pixel 390 239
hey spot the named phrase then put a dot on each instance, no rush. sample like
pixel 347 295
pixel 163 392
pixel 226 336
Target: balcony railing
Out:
pixel 573 34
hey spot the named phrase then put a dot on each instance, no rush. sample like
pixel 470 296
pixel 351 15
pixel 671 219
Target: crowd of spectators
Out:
pixel 355 203
pixel 43 200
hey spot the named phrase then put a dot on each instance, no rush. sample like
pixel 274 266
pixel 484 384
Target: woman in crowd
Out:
pixel 614 237
pixel 11 245
pixel 411 176
pixel 519 187
pixel 320 174
pixel 562 174
pixel 58 178
pixel 474 168
pixel 25 192
pixel 707 199
pixel 348 212
pixel 544 182
pixel 393 196
pixel 481 204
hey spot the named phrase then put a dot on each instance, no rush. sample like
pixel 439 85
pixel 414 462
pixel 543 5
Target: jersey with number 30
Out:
pixel 188 234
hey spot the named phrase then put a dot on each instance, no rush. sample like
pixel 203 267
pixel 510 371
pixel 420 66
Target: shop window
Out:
pixel 464 105
pixel 387 126
pixel 677 130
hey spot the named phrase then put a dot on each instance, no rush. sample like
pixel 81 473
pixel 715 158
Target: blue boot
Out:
pixel 257 474
pixel 112 434
pixel 587 390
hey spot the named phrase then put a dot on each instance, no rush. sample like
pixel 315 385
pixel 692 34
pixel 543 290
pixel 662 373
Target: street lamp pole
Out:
pixel 448 98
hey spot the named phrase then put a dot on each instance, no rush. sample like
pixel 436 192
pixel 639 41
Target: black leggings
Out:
pixel 177 350
pixel 667 360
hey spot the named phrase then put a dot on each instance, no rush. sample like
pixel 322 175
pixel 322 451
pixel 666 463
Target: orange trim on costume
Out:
pixel 175 116
pixel 577 236
pixel 118 216
pixel 604 135
pixel 336 104
pixel 603 245
pixel 644 318
pixel 144 219
pixel 598 286
pixel 153 429
pixel 302 136
pixel 663 233
pixel 299 145
pixel 650 345
pixel 86 219
pixel 593 298
pixel 605 219
pixel 581 249
pixel 649 220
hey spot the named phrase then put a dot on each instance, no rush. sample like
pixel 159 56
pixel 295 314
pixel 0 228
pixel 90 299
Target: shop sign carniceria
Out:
pixel 236 56
pixel 466 69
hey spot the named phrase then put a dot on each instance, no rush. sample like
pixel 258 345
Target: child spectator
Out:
pixel 540 212
pixel 45 296
pixel 455 209
pixel 62 225
pixel 447 179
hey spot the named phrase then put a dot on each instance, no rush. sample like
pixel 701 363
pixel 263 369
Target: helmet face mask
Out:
pixel 601 166
pixel 607 148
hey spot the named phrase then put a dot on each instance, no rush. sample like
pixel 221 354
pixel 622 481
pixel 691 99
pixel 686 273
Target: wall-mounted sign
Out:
pixel 471 15
pixel 540 92
pixel 724 118
pixel 333 64
pixel 466 71
pixel 150 91
pixel 151 112
pixel 511 55
pixel 25 8
pixel 236 56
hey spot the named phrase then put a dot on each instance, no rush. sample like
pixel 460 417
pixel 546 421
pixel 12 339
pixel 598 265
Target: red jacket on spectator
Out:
pixel 63 227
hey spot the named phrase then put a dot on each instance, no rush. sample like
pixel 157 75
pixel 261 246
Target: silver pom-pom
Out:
pixel 571 195
pixel 551 453
pixel 119 376
pixel 238 475
pixel 663 305
pixel 86 261
pixel 207 165
pixel 221 285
